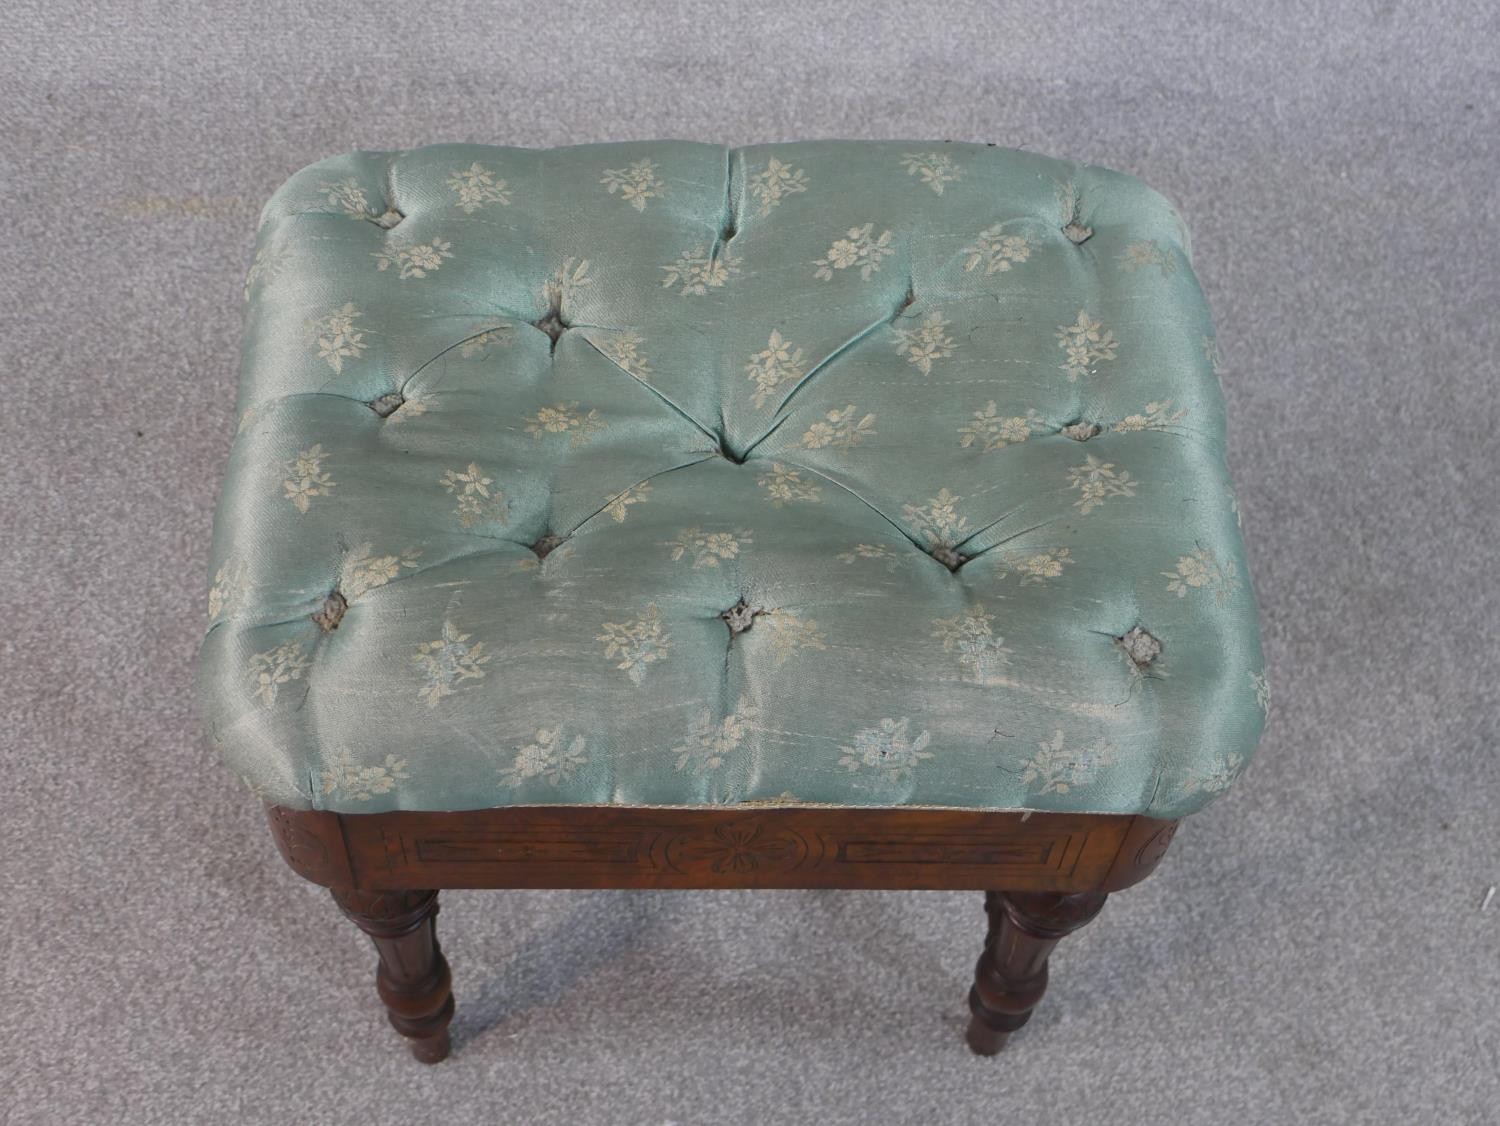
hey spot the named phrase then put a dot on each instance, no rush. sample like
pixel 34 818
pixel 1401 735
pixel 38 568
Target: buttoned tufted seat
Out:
pixel 664 475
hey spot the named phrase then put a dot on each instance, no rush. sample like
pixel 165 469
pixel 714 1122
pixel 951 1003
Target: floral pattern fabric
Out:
pixel 658 474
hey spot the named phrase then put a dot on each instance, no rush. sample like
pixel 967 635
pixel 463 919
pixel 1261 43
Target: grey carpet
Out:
pixel 1312 951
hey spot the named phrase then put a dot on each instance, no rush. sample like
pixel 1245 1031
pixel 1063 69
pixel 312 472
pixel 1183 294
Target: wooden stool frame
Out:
pixel 1044 875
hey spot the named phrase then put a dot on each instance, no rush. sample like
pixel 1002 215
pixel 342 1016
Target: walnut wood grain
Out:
pixel 311 841
pixel 782 847
pixel 1012 972
pixel 1056 868
pixel 412 977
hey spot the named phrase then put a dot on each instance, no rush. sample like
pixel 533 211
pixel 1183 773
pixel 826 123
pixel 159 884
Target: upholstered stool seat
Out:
pixel 837 473
pixel 869 475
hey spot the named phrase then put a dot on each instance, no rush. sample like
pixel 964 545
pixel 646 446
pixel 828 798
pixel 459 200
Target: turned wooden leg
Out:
pixel 1012 972
pixel 412 978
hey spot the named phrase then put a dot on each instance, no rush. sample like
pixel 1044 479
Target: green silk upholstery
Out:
pixel 665 474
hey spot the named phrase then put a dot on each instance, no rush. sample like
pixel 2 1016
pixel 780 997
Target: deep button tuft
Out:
pixel 331 613
pixel 389 219
pixel 1080 431
pixel 547 544
pixel 552 324
pixel 1140 647
pixel 1078 232
pixel 387 404
pixel 739 617
pixel 729 455
pixel 949 557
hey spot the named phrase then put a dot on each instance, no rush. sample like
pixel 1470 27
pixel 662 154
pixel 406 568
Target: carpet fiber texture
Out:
pixel 1314 948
